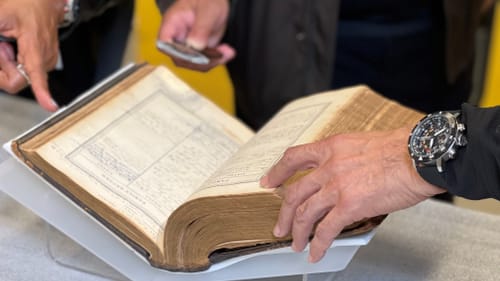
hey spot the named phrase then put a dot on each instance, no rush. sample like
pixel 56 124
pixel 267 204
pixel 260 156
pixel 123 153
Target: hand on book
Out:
pixel 199 24
pixel 354 176
pixel 33 26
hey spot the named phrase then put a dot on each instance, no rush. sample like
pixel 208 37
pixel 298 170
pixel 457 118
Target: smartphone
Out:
pixel 183 51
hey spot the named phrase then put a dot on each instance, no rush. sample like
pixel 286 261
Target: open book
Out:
pixel 176 177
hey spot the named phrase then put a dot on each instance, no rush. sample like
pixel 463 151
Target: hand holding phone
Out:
pixel 188 57
pixel 182 51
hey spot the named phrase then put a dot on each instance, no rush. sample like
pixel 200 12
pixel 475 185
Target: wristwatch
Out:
pixel 71 8
pixel 436 138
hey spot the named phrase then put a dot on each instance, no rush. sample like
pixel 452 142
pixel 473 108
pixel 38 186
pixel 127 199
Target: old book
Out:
pixel 176 177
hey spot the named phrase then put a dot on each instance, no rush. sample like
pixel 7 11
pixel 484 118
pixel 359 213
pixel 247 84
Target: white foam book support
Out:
pixel 32 191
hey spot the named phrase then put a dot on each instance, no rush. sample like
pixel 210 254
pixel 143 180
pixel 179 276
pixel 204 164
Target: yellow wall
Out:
pixel 491 94
pixel 214 84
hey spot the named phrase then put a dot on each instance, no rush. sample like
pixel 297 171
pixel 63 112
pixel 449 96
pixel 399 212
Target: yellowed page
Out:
pixel 298 122
pixel 148 149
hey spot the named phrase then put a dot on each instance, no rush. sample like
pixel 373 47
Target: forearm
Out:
pixel 475 172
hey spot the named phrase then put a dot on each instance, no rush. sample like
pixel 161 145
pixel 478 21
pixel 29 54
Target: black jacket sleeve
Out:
pixel 475 172
pixel 163 4
pixel 87 10
pixel 93 8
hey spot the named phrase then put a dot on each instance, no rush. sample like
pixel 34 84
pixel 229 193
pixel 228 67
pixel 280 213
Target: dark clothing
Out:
pixel 94 49
pixel 478 165
pixel 383 10
pixel 285 50
pixel 90 9
pixel 399 54
pixel 298 51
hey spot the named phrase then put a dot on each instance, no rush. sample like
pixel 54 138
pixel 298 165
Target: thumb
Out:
pixel 198 37
pixel 207 29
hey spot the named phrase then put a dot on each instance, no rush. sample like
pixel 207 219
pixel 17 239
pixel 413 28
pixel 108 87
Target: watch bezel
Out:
pixel 445 148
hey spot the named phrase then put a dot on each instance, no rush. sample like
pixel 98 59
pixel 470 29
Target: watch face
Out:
pixel 432 137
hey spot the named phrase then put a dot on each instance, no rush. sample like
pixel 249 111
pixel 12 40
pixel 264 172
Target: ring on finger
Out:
pixel 20 68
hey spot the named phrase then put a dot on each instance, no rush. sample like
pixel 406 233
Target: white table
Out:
pixel 431 241
pixel 23 240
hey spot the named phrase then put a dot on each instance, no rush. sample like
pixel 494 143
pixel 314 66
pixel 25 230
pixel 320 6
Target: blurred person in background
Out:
pixel 420 53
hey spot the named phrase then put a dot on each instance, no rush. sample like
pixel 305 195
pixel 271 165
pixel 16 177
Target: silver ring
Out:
pixel 23 72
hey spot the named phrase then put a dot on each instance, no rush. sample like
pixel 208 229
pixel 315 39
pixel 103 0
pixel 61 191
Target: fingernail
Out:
pixel 264 181
pixel 316 258
pixel 312 258
pixel 195 44
pixel 54 104
pixel 277 231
